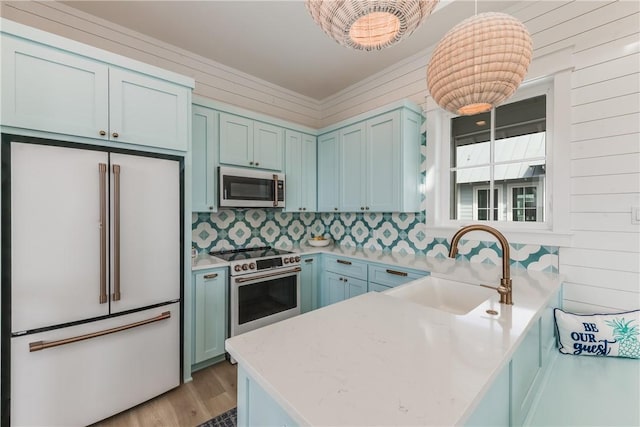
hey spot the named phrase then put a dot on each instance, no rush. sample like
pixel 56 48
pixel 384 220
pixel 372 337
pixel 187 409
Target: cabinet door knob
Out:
pixel 304 209
pixel 115 134
pixel 102 133
pixel 366 208
pixel 361 208
pixel 257 163
pixel 210 208
pixel 335 209
pixel 250 163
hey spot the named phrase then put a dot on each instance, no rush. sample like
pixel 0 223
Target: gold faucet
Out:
pixel 505 288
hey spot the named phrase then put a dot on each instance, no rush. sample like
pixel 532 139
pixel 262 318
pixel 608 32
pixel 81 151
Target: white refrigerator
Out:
pixel 91 280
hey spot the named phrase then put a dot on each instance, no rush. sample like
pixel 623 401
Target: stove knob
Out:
pixel 237 267
pixel 285 260
pixel 245 267
pixel 297 259
pixel 292 260
pixel 252 266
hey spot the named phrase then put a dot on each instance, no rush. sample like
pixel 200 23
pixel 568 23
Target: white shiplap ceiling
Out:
pixel 276 41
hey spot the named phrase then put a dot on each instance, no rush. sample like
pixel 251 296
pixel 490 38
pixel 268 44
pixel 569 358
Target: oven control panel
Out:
pixel 265 264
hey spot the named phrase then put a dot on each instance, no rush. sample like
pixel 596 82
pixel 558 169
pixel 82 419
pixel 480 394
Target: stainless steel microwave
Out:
pixel 250 188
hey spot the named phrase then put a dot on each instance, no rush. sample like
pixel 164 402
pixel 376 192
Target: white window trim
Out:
pixel 554 70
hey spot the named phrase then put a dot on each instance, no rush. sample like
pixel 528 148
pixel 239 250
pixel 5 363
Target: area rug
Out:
pixel 228 419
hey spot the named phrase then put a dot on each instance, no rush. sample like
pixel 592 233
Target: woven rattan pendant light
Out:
pixel 479 63
pixel 369 24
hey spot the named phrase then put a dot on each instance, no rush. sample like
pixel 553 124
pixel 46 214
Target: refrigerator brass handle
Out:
pixel 275 189
pixel 42 345
pixel 397 273
pixel 116 233
pixel 341 261
pixel 102 169
pixel 211 276
pixel 264 276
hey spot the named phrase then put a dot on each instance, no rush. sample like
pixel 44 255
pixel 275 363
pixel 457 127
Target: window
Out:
pixel 522 151
pixel 502 149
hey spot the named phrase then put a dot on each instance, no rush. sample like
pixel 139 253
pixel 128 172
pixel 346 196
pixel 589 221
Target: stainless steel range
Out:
pixel 264 286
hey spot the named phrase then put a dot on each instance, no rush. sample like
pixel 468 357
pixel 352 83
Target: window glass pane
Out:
pixel 515 161
pixel 519 172
pixel 463 183
pixel 521 117
pixel 531 146
pixel 470 136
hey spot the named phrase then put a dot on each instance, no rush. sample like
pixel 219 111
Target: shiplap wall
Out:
pixel 213 80
pixel 602 265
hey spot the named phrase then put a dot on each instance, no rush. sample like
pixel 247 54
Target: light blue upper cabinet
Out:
pixel 352 168
pixel 76 89
pixel 379 163
pixel 382 176
pixel 89 98
pixel 268 143
pixel 236 140
pixel 300 170
pixel 328 167
pixel 309 173
pixel 147 111
pixel 250 143
pixel 204 158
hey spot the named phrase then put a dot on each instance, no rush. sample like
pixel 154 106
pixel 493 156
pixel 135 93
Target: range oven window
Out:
pixel 266 298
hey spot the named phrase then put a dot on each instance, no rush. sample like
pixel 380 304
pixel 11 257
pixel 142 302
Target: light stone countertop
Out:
pixel 379 360
pixel 205 261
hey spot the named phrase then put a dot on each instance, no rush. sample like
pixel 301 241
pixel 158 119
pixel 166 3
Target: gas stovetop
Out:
pixel 251 260
pixel 248 253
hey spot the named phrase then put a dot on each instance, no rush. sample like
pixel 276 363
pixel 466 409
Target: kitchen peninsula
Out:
pixel 378 359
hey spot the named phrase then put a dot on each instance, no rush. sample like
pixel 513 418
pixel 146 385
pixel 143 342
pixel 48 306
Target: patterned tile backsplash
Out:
pixel 397 232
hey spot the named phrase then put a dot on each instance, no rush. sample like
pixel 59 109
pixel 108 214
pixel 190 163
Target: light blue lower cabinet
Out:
pixel 493 410
pixel 376 287
pixel 210 301
pixel 255 407
pixel 309 290
pixel 509 400
pixel 337 287
pixel 391 276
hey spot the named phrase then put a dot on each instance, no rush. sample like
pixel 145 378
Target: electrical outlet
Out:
pixel 635 215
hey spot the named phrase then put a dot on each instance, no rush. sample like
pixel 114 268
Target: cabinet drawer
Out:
pixel 346 266
pixel 393 276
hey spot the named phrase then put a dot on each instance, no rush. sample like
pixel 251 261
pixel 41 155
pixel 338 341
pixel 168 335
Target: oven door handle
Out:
pixel 264 276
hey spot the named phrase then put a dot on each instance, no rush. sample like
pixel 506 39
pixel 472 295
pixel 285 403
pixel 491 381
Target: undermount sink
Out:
pixel 443 294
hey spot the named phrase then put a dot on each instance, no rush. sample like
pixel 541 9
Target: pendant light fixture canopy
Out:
pixel 479 63
pixel 369 24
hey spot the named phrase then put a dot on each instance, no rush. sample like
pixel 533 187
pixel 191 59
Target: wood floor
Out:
pixel 212 392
